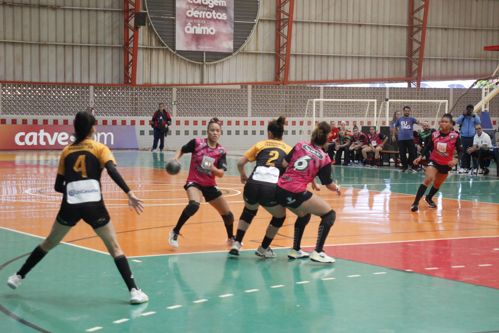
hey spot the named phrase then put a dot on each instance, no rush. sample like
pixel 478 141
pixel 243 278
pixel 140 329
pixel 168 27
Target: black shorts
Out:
pixel 291 199
pixel 444 169
pixel 257 192
pixel 96 215
pixel 210 193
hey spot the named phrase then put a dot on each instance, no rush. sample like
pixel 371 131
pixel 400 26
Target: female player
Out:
pixel 259 188
pixel 208 161
pixel 440 148
pixel 78 178
pixel 304 163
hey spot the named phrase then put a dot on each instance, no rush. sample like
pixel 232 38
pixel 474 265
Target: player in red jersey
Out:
pixel 208 161
pixel 440 149
pixel 306 161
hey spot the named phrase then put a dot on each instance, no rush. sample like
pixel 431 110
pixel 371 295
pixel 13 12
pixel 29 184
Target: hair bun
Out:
pixel 281 120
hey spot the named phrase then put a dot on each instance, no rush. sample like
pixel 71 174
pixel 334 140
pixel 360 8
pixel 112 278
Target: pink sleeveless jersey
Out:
pixel 443 147
pixel 304 166
pixel 202 159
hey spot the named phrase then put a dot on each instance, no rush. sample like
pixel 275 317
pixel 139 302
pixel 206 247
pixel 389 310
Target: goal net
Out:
pixel 426 110
pixel 362 112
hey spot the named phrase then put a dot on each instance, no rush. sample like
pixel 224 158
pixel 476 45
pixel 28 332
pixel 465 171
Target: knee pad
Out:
pixel 247 215
pixel 329 218
pixel 277 221
pixel 191 208
pixel 303 221
pixel 228 219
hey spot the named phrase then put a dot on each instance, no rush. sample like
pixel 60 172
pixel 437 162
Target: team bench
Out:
pixel 390 154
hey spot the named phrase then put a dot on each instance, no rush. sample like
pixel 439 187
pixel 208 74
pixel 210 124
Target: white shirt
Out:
pixel 481 140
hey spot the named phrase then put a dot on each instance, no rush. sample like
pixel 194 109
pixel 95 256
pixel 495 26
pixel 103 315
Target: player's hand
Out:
pixel 337 189
pixel 244 178
pixel 315 187
pixel 135 203
pixel 417 160
pixel 453 163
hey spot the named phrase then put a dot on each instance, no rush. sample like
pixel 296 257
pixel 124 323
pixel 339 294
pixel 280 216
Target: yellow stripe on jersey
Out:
pixel 253 152
pixel 99 150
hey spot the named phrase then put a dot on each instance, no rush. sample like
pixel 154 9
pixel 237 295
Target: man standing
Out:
pixel 467 122
pixel 405 138
pixel 342 145
pixel 481 150
pixel 160 122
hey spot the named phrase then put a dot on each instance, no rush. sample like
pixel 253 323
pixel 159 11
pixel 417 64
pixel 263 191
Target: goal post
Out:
pixel 428 109
pixel 341 109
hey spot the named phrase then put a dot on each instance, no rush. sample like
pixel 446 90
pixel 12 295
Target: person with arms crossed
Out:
pixel 481 150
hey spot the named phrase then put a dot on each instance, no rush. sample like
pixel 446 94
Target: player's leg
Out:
pixel 377 155
pixel 439 180
pixel 222 207
pixel 403 146
pixel 245 220
pixel 430 174
pixel 161 140
pixel 55 236
pixel 108 236
pixel 365 151
pixel 155 139
pixel 278 217
pixel 194 195
pixel 317 206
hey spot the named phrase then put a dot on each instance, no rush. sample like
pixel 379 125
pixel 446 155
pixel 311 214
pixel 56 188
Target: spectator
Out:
pixel 376 141
pixel 393 129
pixel 160 122
pixel 423 136
pixel 343 126
pixel 331 139
pixel 404 129
pixel 481 150
pixel 467 122
pixel 342 145
pixel 359 142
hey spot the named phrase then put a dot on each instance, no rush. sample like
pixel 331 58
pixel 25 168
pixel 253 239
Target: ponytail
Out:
pixel 276 127
pixel 320 133
pixel 83 123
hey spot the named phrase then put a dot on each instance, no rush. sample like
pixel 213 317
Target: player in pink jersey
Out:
pixel 306 161
pixel 208 161
pixel 440 149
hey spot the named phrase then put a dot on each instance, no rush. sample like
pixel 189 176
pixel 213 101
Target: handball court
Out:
pixel 432 271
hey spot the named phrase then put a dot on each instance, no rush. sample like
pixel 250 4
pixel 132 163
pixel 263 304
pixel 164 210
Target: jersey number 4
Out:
pixel 80 166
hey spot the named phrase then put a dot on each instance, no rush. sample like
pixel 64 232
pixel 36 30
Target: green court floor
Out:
pixel 213 293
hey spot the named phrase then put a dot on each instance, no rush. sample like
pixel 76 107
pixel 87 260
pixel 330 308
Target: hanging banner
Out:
pixel 205 25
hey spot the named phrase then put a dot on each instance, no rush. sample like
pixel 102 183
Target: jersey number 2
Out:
pixel 274 155
pixel 80 166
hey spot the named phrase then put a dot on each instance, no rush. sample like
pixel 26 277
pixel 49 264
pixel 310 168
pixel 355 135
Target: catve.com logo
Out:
pixel 62 138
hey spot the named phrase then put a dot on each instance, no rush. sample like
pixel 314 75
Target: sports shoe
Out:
pixel 300 254
pixel 321 257
pixel 173 239
pixel 430 202
pixel 234 251
pixel 14 281
pixel 265 253
pixel 230 241
pixel 462 170
pixel 403 169
pixel 137 296
pixel 414 208
pixel 473 172
pixel 486 171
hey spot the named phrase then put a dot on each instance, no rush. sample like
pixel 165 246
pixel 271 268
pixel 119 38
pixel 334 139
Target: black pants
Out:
pixel 340 152
pixel 159 135
pixel 482 157
pixel 330 150
pixel 407 146
pixel 466 141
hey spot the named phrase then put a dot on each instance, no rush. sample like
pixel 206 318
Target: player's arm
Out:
pixel 240 167
pixel 189 147
pixel 425 154
pixel 133 201
pixel 219 169
pixel 326 179
pixel 60 185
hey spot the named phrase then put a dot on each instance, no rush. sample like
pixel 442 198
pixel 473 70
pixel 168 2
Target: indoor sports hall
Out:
pixel 354 64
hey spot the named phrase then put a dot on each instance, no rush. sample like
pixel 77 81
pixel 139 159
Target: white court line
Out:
pixel 202 300
pixel 136 260
pixel 379 273
pixel 146 314
pixel 484 265
pixel 328 278
pixel 249 291
pixel 353 276
pixel 172 307
pixel 302 282
pixel 496 249
pixel 226 295
pixel 409 270
pixel 458 266
pixel 277 286
pixel 119 321
pixel 431 268
pixel 40 237
pixel 94 329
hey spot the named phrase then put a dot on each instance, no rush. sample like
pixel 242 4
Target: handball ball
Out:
pixel 173 167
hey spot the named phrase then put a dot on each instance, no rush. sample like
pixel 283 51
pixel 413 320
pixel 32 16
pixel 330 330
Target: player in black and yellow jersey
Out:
pixel 78 178
pixel 259 188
